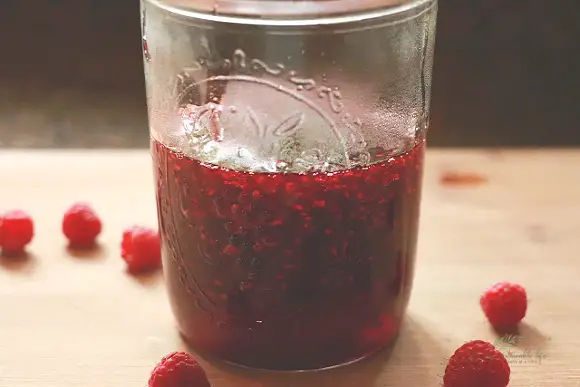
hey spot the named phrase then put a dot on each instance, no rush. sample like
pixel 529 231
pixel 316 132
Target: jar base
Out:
pixel 220 362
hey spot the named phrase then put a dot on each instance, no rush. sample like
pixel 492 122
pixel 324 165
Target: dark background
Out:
pixel 506 74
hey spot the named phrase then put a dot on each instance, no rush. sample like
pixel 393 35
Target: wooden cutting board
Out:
pixel 69 319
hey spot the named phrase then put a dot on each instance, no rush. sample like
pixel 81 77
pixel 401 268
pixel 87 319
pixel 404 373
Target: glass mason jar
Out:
pixel 288 141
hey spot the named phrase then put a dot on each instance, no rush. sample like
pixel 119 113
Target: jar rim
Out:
pixel 291 12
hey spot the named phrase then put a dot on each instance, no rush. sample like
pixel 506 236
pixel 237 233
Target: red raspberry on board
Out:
pixel 504 304
pixel 141 249
pixel 178 369
pixel 16 231
pixel 81 225
pixel 477 364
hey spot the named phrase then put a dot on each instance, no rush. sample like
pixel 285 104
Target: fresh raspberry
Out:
pixel 477 364
pixel 178 369
pixel 81 225
pixel 504 304
pixel 141 249
pixel 16 231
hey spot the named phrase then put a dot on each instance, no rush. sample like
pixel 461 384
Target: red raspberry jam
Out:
pixel 288 271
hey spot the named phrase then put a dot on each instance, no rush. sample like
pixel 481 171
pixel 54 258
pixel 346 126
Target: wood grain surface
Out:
pixel 71 319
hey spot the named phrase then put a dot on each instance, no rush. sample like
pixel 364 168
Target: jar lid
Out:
pixel 272 10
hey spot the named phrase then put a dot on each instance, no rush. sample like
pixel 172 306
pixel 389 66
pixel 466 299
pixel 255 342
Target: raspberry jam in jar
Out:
pixel 288 140
pixel 289 270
